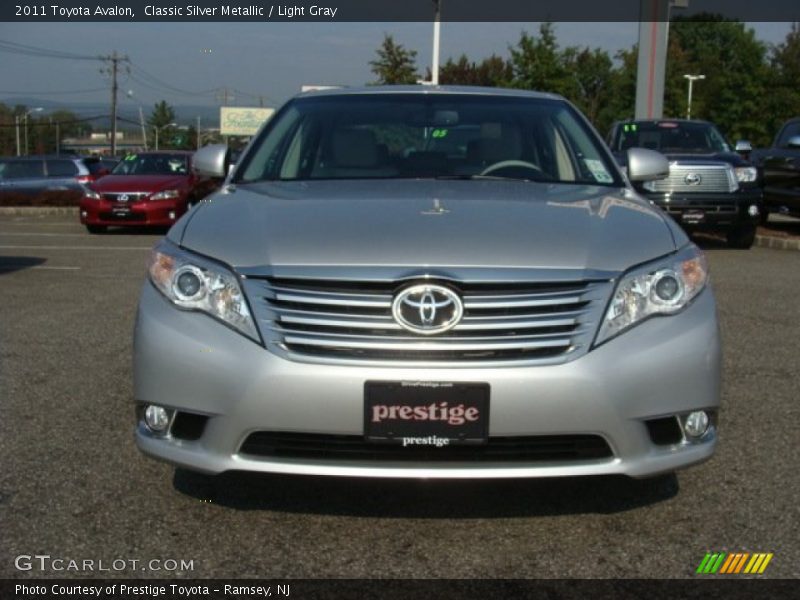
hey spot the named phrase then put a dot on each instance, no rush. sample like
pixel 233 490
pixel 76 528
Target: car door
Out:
pixel 22 175
pixel 62 175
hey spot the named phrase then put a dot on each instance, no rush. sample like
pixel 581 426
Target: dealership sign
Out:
pixel 242 121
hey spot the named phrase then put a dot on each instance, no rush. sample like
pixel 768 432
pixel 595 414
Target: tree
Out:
pixel 490 72
pixel 395 64
pixel 591 80
pixel 160 121
pixel 735 65
pixel 784 98
pixel 536 63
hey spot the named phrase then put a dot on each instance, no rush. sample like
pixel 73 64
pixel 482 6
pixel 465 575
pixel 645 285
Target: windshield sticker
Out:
pixel 629 127
pixel 131 157
pixel 598 170
pixel 439 133
pixel 668 125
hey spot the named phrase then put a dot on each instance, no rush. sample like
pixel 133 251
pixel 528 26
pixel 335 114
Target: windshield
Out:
pixel 382 136
pixel 152 164
pixel 670 136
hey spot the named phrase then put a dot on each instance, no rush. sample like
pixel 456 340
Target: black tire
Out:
pixel 742 237
pixel 96 228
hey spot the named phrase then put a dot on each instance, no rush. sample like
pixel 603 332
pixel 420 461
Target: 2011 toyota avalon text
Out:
pixel 427 282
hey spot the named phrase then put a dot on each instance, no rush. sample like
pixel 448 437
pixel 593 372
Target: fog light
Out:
pixel 753 210
pixel 696 424
pixel 172 215
pixel 84 214
pixel 156 418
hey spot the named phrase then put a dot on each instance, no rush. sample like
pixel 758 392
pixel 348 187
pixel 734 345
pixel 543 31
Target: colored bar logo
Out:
pixel 734 563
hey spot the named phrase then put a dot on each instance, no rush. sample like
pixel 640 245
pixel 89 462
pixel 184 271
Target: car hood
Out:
pixel 134 183
pixel 687 158
pixel 419 223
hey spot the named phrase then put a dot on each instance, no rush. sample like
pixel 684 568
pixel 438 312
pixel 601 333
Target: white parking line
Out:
pixel 15 247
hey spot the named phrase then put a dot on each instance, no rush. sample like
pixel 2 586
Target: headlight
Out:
pixel 661 288
pixel 166 195
pixel 92 195
pixel 194 283
pixel 746 174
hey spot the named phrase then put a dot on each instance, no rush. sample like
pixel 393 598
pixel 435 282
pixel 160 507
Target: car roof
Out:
pixel 373 90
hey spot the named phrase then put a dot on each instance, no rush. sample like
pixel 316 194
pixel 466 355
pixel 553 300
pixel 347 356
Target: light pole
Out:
pixel 25 118
pixel 158 130
pixel 692 79
pixel 437 24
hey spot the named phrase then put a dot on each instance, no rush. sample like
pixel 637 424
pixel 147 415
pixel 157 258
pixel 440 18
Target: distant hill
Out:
pixel 128 113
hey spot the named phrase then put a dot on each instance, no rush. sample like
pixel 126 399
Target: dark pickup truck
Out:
pixel 709 188
pixel 780 168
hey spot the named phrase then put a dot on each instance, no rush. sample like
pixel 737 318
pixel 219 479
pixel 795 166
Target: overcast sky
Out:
pixel 268 59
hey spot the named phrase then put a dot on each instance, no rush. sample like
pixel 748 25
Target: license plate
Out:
pixel 693 216
pixel 121 211
pixel 426 413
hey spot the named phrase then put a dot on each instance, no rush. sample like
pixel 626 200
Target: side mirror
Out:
pixel 794 142
pixel 743 147
pixel 646 165
pixel 212 161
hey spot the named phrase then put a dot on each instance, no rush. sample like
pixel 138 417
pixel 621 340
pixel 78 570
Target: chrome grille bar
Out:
pixel 351 321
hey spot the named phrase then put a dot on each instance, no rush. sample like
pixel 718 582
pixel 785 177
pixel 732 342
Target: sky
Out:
pixel 264 62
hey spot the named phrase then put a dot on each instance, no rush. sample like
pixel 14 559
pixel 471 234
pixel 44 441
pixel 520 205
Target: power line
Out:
pixel 16 48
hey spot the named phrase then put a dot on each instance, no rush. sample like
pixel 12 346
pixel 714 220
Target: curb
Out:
pixel 777 243
pixel 38 211
pixel 762 241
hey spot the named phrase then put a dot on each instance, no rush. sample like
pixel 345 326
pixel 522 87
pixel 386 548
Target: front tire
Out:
pixel 96 228
pixel 742 237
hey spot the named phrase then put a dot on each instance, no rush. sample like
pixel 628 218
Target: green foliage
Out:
pixel 395 64
pixel 160 120
pixel 490 72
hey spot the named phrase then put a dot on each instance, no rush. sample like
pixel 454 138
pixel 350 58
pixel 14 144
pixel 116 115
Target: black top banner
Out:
pixel 395 10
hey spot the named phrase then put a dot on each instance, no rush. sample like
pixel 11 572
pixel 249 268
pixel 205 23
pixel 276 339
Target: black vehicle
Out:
pixel 709 188
pixel 780 166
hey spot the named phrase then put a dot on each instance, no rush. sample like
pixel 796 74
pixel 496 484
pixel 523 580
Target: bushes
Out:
pixel 53 198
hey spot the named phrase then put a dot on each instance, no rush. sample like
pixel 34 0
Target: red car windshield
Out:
pixel 153 164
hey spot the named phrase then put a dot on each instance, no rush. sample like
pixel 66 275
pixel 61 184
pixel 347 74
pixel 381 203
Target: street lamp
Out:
pixel 25 118
pixel 692 79
pixel 158 130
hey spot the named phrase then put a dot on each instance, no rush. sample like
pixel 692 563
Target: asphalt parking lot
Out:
pixel 73 485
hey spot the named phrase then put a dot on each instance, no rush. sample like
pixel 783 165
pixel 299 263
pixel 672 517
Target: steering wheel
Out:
pixel 504 164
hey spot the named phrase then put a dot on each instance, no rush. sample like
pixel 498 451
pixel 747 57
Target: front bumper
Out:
pixel 710 211
pixel 159 213
pixel 188 361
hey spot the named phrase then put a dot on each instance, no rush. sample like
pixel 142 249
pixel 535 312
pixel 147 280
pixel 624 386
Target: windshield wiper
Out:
pixel 478 177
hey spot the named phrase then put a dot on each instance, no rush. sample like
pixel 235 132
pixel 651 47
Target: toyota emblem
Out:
pixel 693 179
pixel 427 309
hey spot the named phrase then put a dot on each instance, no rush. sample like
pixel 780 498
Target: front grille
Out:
pixel 308 446
pixel 131 216
pixel 131 196
pixel 718 178
pixel 352 320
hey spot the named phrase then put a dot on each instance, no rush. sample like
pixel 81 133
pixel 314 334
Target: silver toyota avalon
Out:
pixel 427 282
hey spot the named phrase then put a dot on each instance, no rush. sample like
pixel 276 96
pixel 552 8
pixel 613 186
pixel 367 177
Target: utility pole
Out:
pixel 198 132
pixel 437 24
pixel 113 70
pixel 225 96
pixel 144 130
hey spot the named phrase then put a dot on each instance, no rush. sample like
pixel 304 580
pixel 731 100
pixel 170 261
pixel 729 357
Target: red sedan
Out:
pixel 147 189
